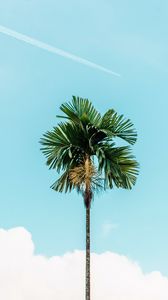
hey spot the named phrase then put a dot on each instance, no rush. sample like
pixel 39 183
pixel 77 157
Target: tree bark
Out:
pixel 87 201
pixel 88 252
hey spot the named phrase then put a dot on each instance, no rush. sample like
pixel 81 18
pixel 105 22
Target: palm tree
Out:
pixel 71 147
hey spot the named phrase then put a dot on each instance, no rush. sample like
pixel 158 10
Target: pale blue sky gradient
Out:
pixel 125 36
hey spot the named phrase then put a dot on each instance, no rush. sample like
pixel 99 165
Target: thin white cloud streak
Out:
pixel 36 43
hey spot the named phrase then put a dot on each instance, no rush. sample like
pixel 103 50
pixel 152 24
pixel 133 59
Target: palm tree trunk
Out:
pixel 87 201
pixel 88 252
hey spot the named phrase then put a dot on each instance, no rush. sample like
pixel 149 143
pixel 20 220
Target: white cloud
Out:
pixel 107 228
pixel 25 276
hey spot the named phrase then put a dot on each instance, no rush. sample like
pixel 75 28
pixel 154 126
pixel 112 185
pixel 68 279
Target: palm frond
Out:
pixel 63 183
pixel 63 145
pixel 115 125
pixel 81 111
pixel 118 166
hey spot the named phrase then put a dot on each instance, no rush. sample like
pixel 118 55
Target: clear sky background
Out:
pixel 128 37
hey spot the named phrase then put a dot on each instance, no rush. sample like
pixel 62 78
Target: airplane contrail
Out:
pixel 55 50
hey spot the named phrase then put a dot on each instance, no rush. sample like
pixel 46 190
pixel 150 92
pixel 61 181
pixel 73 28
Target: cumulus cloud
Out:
pixel 25 276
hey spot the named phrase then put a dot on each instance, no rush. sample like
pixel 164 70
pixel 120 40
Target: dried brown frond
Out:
pixel 83 174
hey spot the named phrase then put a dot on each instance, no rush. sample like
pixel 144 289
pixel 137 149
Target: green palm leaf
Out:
pixel 115 125
pixel 80 111
pixel 118 166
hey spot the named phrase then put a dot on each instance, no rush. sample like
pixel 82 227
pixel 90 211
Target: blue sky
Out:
pixel 127 37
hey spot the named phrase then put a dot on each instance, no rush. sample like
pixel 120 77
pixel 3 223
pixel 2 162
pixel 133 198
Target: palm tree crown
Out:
pixel 82 135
